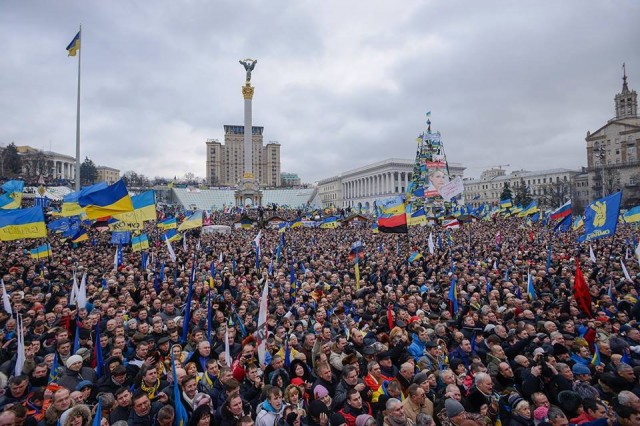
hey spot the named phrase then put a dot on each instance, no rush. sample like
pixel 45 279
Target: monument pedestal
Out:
pixel 248 190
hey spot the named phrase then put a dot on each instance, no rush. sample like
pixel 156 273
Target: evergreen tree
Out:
pixel 88 172
pixel 523 195
pixel 10 161
pixel 506 192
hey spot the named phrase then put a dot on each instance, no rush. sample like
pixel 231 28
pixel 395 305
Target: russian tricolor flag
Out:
pixel 562 211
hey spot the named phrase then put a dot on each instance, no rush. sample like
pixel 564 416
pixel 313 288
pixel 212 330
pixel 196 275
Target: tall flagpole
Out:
pixel 78 117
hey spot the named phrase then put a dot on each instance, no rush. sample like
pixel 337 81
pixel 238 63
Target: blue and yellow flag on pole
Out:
pixel 168 223
pixel 42 251
pixel 171 235
pixel 329 222
pixel 193 221
pixel 12 197
pixel 74 46
pixel 632 215
pixel 601 218
pixel 21 224
pixel 140 242
pixel 109 201
pixel 506 203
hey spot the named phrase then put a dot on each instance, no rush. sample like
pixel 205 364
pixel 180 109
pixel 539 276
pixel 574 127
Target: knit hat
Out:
pixel 580 369
pixel 337 419
pixel 362 419
pixel 514 400
pixel 453 407
pixel 316 408
pixel 420 378
pixel 540 413
pixel 72 360
pixel 320 392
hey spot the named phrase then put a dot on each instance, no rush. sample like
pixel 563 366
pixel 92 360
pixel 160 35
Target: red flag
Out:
pixel 581 291
pixel 390 317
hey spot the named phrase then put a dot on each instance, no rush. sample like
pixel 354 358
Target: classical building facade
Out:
pixel 360 188
pixel 488 188
pixel 225 161
pixel 108 174
pixel 49 164
pixel 613 151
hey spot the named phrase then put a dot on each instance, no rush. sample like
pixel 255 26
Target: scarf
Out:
pixel 150 390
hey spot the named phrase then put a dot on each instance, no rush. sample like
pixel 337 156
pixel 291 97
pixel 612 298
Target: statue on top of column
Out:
pixel 249 64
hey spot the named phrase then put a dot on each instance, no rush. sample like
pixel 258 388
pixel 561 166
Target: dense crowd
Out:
pixel 386 347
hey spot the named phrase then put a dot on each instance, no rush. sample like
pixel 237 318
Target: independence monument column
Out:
pixel 248 188
pixel 247 93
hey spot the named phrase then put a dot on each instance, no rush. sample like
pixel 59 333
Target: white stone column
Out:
pixel 247 92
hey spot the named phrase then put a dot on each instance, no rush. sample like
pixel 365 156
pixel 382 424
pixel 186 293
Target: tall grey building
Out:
pixel 225 161
pixel 613 151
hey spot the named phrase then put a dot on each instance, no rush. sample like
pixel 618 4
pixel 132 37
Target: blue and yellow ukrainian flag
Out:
pixel 70 206
pixel 283 226
pixel 601 218
pixel 193 221
pixel 144 208
pixel 171 235
pixel 109 201
pixel 505 204
pixel 595 360
pixel 578 223
pixel 632 215
pixel 415 256
pixel 530 209
pixel 329 222
pixel 21 224
pixel 168 223
pixel 296 223
pixel 12 197
pixel 80 236
pixel 42 251
pixel 417 218
pixel 74 46
pixel 140 242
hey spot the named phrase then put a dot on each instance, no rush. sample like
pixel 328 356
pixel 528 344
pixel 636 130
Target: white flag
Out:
pixel 227 351
pixel 185 247
pixel 261 333
pixel 74 290
pixel 172 254
pixel 20 357
pixel 256 240
pixel 638 253
pixel 495 266
pixel 82 292
pixel 624 269
pixel 220 259
pixel 198 245
pixel 6 303
pixel 432 246
pixel 592 254
pixel 115 260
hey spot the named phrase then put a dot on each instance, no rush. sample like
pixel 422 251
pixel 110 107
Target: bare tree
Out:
pixel 555 194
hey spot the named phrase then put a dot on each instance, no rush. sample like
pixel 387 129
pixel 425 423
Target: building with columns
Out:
pixel 48 164
pixel 359 188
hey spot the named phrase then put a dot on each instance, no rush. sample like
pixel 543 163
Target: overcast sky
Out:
pixel 340 84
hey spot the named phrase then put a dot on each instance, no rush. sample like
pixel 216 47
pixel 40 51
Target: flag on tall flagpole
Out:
pixel 6 302
pixel 261 332
pixel 74 46
pixel 531 291
pixel 592 255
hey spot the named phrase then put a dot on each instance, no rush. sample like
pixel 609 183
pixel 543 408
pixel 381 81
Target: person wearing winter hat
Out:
pixel 365 420
pixel 318 413
pixel 455 411
pixel 520 411
pixel 337 419
pixel 74 373
pixel 540 414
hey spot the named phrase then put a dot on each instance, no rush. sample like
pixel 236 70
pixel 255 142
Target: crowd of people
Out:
pixel 377 343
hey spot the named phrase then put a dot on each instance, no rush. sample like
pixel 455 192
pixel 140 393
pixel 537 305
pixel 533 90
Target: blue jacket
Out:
pixel 416 348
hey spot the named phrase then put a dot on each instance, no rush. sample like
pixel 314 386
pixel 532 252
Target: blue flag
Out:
pixel 564 225
pixel 53 374
pixel 97 420
pixel 601 218
pixel 548 259
pixel 181 417
pixel 76 338
pixel 187 309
